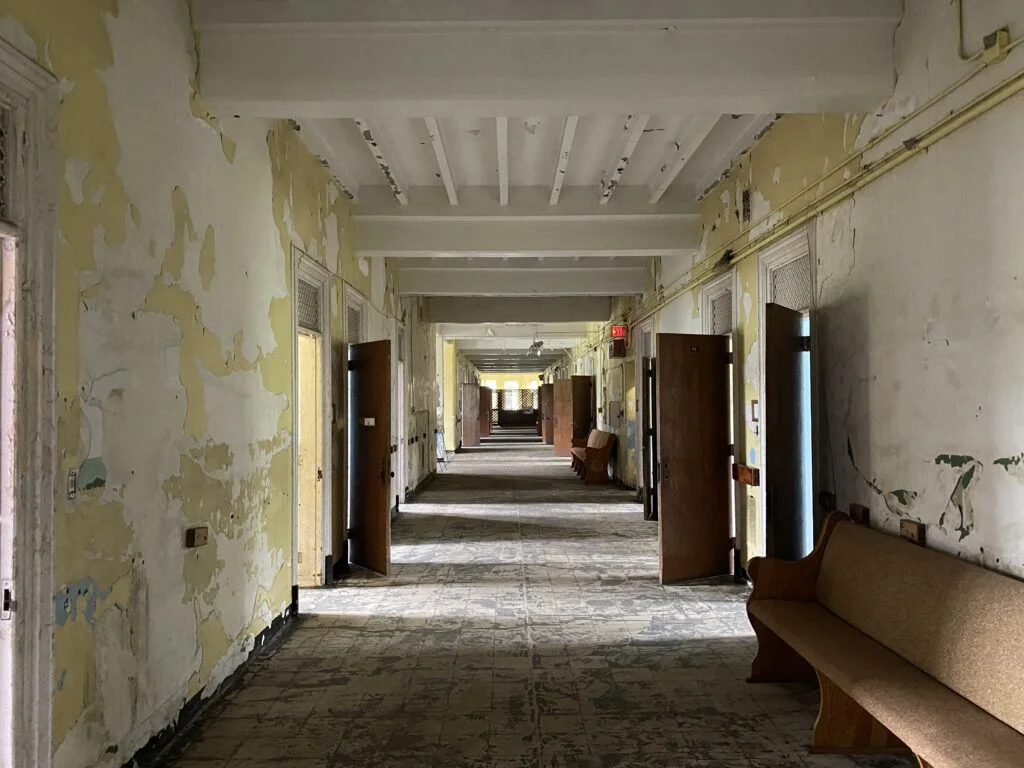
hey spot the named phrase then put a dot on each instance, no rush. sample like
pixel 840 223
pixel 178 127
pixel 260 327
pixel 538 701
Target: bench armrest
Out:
pixel 776 579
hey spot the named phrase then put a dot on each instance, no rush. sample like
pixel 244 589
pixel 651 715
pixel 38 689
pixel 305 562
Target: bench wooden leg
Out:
pixel 776 662
pixel 922 762
pixel 845 727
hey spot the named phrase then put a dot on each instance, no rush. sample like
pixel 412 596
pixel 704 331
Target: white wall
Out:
pixel 920 286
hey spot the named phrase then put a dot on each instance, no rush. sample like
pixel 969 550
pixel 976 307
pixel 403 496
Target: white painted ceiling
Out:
pixel 536 148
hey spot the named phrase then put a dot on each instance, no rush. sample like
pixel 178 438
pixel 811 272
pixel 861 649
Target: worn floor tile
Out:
pixel 523 626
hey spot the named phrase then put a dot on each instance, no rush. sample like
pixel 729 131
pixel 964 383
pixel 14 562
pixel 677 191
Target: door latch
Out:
pixel 10 605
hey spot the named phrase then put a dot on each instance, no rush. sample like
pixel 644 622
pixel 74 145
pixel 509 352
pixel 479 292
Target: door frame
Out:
pixel 32 95
pixel 711 290
pixel 792 247
pixel 311 271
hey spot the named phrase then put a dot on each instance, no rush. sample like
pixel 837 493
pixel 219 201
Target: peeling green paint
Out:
pixel 898 501
pixel 92 473
pixel 1009 462
pixel 955 460
pixel 66 602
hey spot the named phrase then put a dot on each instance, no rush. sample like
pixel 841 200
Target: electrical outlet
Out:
pixel 860 514
pixel 913 531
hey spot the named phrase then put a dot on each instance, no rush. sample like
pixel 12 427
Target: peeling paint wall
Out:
pixel 174 356
pixel 421 394
pixel 919 287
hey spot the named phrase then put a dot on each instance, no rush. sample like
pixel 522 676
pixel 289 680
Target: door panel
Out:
pixel 582 408
pixel 562 421
pixel 370 365
pixel 310 461
pixel 547 409
pixel 485 411
pixel 785 520
pixel 470 415
pixel 693 448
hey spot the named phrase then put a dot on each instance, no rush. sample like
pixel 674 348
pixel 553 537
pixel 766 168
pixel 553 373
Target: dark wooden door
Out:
pixel 582 408
pixel 370 510
pixel 470 415
pixel 562 420
pixel 786 519
pixel 485 411
pixel 547 412
pixel 693 450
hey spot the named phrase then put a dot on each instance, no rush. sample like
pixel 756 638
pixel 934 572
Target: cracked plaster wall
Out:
pixel 919 285
pixel 174 366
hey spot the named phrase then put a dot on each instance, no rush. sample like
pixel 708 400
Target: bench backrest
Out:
pixel 598 439
pixel 960 623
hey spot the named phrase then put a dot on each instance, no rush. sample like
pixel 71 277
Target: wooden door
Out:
pixel 787 523
pixel 310 441
pixel 562 419
pixel 370 511
pixel 547 410
pixel 582 408
pixel 470 415
pixel 485 411
pixel 693 449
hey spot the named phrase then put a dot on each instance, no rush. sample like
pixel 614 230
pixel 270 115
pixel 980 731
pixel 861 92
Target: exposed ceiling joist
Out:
pixel 511 281
pixel 501 131
pixel 565 148
pixel 680 152
pixel 443 168
pixel 323 137
pixel 386 168
pixel 724 56
pixel 633 131
pixel 559 309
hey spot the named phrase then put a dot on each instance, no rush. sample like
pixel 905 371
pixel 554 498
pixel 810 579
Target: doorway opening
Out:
pixel 313 550
pixel 786 387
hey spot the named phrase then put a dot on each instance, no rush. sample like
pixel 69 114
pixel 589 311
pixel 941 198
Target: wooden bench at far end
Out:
pixel 913 649
pixel 591 461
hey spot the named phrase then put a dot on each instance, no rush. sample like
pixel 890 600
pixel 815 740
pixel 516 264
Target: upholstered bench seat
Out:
pixel 930 719
pixel 590 461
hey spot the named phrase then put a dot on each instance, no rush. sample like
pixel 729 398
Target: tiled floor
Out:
pixel 523 626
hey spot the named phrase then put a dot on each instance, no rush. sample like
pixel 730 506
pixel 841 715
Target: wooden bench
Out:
pixel 913 649
pixel 591 460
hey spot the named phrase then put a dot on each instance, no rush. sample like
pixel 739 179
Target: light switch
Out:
pixel 370 422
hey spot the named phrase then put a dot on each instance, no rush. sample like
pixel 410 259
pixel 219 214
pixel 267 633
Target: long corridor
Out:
pixel 523 626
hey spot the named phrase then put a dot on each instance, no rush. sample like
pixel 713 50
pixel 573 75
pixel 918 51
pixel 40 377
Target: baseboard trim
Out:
pixel 151 753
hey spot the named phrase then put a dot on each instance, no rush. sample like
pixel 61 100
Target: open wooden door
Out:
pixel 582 408
pixel 485 411
pixel 370 422
pixel 562 420
pixel 693 449
pixel 470 415
pixel 547 413
pixel 787 522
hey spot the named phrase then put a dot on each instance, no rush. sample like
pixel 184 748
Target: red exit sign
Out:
pixel 618 331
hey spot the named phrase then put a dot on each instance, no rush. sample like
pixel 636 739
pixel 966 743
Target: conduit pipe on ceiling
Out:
pixel 952 122
pixel 961 51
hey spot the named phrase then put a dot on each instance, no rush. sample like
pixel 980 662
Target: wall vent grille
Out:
pixel 307 306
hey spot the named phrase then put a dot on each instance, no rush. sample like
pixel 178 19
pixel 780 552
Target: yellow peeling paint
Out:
pixel 215 643
pixel 207 258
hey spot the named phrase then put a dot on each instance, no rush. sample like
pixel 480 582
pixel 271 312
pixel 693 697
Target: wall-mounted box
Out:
pixel 913 531
pixel 197 537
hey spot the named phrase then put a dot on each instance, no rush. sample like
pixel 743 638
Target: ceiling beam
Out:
pixel 568 237
pixel 503 58
pixel 386 168
pixel 323 138
pixel 512 281
pixel 633 131
pixel 444 170
pixel 680 152
pixel 560 309
pixel 501 134
pixel 732 136
pixel 568 135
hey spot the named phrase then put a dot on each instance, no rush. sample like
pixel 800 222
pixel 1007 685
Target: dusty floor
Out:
pixel 523 626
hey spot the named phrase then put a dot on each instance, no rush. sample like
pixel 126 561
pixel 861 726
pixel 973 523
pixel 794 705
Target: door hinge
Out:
pixel 730 358
pixel 805 343
pixel 10 605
